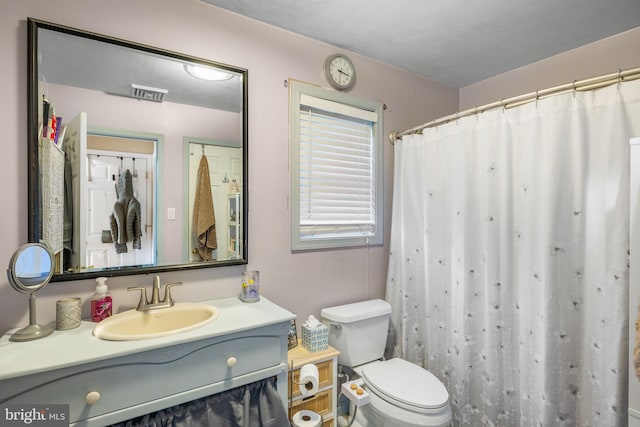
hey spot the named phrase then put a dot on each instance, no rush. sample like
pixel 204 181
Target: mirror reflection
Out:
pixel 115 191
pixel 30 268
pixel 214 202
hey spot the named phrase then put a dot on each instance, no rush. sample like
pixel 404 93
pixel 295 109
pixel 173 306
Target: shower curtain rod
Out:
pixel 576 85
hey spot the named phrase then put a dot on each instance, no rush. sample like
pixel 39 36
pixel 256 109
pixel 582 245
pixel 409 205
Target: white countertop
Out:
pixel 76 346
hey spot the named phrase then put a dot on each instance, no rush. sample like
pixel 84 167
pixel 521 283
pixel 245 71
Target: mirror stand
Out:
pixel 33 331
pixel 30 269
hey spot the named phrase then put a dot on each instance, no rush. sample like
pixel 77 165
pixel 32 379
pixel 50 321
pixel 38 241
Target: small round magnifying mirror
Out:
pixel 30 269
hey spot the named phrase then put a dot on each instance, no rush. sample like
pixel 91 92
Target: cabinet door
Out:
pixel 137 381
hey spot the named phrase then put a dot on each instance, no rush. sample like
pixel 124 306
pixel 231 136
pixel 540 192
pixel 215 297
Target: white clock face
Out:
pixel 341 72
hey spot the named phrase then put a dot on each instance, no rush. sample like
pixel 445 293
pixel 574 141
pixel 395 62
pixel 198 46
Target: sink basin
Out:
pixel 140 325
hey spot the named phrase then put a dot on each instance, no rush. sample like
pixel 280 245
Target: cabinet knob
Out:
pixel 92 397
pixel 232 361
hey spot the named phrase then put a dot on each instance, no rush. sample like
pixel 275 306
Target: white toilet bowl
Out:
pixel 402 394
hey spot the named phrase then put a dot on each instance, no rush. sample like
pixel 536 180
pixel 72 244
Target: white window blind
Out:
pixel 337 168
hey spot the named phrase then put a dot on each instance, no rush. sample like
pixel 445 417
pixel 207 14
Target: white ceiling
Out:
pixel 109 67
pixel 454 42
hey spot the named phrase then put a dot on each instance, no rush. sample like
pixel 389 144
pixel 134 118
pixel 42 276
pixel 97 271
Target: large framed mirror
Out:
pixel 108 172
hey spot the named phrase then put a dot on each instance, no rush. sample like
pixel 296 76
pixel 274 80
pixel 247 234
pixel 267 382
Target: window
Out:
pixel 336 165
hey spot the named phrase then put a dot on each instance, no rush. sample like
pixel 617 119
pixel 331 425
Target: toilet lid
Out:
pixel 406 383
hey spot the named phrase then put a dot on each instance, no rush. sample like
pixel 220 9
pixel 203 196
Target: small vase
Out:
pixel 250 286
pixel 68 313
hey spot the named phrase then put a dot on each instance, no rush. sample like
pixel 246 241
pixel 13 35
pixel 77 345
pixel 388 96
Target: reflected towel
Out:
pixel 204 218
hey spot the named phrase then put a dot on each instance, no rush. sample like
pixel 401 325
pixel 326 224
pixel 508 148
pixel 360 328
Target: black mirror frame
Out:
pixel 33 179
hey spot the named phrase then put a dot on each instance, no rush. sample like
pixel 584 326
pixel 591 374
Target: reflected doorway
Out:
pixel 225 176
pixel 107 184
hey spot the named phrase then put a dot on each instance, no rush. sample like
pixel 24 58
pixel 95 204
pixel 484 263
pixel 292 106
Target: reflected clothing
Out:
pixel 204 218
pixel 126 217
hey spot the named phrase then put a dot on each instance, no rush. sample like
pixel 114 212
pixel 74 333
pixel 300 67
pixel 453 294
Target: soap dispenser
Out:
pixel 101 302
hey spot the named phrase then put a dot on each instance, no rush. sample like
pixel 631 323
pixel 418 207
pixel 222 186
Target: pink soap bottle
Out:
pixel 101 302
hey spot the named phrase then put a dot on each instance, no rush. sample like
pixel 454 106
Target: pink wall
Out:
pixel 301 282
pixel 619 52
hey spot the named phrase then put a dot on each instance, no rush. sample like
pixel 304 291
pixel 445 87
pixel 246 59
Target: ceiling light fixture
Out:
pixel 207 73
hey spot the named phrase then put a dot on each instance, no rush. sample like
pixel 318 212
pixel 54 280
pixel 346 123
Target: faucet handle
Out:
pixel 143 296
pixel 167 292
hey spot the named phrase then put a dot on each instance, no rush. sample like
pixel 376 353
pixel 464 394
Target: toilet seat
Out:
pixel 394 416
pixel 406 385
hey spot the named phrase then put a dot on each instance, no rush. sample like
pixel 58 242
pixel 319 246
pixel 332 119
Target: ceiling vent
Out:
pixel 148 93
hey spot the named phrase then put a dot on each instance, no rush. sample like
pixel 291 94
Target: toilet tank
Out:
pixel 358 330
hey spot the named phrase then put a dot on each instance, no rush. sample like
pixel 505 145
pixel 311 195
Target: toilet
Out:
pixel 402 394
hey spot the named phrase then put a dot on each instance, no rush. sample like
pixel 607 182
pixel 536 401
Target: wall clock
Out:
pixel 340 72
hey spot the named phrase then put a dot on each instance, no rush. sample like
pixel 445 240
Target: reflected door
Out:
pixel 104 170
pixel 75 146
pixel 225 166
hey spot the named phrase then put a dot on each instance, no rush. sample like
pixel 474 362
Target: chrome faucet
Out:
pixel 155 302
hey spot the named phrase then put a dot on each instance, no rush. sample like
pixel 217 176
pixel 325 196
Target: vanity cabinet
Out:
pixel 325 400
pixel 185 367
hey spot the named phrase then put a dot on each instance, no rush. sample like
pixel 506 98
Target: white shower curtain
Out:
pixel 508 267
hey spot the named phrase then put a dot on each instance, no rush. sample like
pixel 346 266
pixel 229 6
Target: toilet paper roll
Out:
pixel 308 381
pixel 306 418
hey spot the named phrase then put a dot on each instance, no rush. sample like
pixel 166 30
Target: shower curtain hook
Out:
pixel 619 78
pixel 575 89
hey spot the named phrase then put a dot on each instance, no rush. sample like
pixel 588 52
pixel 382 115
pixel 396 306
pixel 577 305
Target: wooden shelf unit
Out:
pixel 325 400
